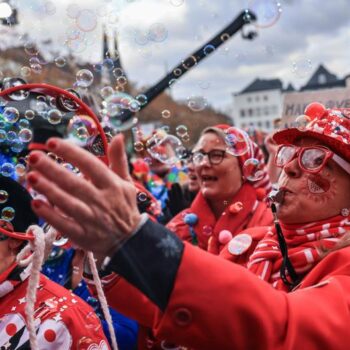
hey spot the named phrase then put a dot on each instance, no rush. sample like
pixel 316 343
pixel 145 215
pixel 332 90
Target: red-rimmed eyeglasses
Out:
pixel 311 159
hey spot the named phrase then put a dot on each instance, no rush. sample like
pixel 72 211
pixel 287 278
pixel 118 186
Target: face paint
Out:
pixel 318 184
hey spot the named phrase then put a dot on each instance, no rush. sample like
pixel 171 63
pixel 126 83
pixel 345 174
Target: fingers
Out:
pixel 87 163
pixel 66 203
pixel 118 159
pixel 70 182
pixel 65 226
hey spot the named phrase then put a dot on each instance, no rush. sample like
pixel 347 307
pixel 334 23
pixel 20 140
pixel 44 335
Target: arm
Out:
pixel 208 303
pixel 236 309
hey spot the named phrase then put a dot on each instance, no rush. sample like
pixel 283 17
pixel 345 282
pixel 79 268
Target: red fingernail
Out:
pixel 33 158
pixel 32 178
pixel 37 203
pixel 51 144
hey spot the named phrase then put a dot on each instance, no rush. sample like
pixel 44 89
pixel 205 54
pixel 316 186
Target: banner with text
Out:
pixel 294 103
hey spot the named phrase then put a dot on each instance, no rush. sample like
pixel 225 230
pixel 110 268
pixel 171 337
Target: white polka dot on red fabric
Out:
pixel 11 329
pixel 50 335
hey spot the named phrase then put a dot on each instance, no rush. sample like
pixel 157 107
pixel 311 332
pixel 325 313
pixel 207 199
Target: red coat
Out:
pixel 65 321
pixel 254 213
pixel 216 304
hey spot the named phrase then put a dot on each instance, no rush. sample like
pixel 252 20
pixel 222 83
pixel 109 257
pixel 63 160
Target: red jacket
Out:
pixel 254 212
pixel 64 320
pixel 230 308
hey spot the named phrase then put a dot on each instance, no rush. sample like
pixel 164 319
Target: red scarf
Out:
pixel 305 245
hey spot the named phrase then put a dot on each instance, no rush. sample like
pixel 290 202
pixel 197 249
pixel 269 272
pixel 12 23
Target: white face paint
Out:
pixel 317 184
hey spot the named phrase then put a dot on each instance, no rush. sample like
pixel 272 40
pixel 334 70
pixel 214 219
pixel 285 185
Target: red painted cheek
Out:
pixel 318 184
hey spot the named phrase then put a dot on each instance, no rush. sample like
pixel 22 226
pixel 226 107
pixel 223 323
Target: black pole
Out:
pixel 245 17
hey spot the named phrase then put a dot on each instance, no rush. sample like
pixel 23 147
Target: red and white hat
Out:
pixel 331 126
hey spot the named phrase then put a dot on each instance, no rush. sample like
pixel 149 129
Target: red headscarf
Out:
pixel 262 186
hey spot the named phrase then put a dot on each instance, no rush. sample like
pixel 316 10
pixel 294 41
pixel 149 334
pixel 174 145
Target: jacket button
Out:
pixel 182 317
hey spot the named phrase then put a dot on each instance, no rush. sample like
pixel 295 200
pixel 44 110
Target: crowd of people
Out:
pixel 220 249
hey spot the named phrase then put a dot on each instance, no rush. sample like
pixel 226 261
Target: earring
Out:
pixel 345 212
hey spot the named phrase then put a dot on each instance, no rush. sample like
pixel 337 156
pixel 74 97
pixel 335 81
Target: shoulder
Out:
pixel 335 264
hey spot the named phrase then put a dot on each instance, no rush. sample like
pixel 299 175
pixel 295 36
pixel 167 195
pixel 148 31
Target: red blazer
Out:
pixel 216 304
pixel 254 213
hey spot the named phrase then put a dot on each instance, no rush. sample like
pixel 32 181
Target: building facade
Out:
pixel 260 104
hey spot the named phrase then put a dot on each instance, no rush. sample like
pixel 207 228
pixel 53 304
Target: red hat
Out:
pixel 331 126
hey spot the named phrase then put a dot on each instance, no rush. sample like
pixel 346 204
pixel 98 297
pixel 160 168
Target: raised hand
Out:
pixel 97 212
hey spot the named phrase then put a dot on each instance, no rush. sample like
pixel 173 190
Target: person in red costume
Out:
pixel 297 292
pixel 60 319
pixel 230 199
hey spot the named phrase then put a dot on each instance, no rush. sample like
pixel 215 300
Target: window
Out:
pixel 258 111
pixel 242 113
pixel 243 125
pixel 265 98
pixel 250 112
pixel 259 124
pixel 257 98
pixel 322 79
pixel 266 110
pixel 267 124
pixel 249 99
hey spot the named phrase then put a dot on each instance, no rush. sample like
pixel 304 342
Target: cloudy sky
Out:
pixel 155 35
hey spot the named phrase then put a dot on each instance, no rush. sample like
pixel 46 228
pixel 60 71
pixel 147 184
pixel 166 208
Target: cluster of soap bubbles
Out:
pixel 115 106
pixel 182 132
pixel 166 148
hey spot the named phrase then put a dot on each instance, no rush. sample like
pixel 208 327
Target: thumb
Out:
pixel 117 158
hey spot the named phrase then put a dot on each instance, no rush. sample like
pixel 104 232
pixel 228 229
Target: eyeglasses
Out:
pixel 311 159
pixel 215 156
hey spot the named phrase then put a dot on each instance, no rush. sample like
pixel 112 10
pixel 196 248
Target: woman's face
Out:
pixel 312 197
pixel 193 183
pixel 221 181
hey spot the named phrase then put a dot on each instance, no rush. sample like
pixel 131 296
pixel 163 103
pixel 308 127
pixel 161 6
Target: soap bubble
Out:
pixel 302 121
pixel 253 169
pixel 163 148
pixel 54 116
pixel 25 135
pixel 11 114
pixel 237 141
pixel 267 12
pixel 7 213
pixel 3 196
pixel 166 113
pixel 84 78
pixel 197 103
pixel 60 61
pixel 86 20
pixel 7 169
pixel 181 130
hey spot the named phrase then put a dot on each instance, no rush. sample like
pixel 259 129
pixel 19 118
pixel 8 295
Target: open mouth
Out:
pixel 192 177
pixel 207 178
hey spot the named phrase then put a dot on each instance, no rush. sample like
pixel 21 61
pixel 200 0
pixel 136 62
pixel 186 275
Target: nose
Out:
pixel 292 168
